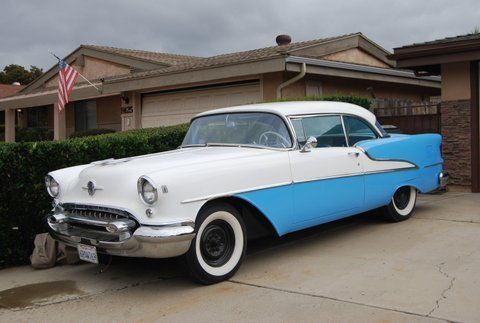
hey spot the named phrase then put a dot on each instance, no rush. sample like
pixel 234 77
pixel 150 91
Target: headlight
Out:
pixel 147 190
pixel 53 188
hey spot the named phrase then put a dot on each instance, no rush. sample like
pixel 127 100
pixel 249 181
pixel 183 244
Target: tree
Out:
pixel 16 73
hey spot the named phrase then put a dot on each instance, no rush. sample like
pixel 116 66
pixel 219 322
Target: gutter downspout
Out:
pixel 294 79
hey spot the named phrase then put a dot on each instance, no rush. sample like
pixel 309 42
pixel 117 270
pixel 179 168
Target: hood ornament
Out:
pixel 91 187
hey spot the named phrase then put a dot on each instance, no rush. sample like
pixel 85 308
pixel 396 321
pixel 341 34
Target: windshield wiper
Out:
pixel 218 144
pixel 194 145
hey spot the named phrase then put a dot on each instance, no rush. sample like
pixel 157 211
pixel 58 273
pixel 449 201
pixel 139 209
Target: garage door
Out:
pixel 179 107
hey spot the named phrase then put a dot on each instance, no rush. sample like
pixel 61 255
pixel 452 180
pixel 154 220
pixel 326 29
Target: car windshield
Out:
pixel 249 129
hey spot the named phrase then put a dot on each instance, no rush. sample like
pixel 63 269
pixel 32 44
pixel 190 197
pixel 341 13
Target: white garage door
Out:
pixel 179 107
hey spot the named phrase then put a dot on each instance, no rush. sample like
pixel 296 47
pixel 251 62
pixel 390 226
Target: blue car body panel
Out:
pixel 302 205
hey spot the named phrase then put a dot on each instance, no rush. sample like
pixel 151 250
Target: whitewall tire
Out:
pixel 401 205
pixel 218 248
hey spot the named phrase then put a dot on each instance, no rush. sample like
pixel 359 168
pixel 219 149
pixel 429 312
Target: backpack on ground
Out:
pixel 45 253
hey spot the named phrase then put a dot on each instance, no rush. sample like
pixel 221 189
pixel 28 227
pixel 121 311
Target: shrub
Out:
pixel 91 132
pixel 33 134
pixel 28 134
pixel 358 100
pixel 24 201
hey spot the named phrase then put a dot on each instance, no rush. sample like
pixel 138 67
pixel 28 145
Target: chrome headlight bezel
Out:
pixel 143 183
pixel 53 187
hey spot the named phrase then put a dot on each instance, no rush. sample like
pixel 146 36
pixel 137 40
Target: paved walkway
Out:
pixel 358 269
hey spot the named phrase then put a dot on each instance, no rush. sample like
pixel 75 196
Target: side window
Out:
pixel 298 127
pixel 357 130
pixel 327 129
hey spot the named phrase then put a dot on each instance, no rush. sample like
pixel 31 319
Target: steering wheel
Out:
pixel 263 139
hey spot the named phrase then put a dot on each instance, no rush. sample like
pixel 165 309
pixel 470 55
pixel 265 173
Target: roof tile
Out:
pixel 231 58
pixel 472 36
pixel 156 57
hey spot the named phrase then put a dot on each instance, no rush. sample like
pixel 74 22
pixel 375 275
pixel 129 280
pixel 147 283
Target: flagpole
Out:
pixel 96 88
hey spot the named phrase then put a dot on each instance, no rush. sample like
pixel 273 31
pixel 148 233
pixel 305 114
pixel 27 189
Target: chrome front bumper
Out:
pixel 123 237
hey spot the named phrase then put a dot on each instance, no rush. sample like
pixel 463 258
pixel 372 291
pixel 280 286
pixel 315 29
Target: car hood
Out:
pixel 119 176
pixel 147 164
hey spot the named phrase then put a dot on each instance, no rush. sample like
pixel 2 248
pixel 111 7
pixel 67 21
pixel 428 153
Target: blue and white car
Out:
pixel 240 173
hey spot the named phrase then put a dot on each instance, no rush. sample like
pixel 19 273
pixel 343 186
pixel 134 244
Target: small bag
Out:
pixel 67 255
pixel 45 253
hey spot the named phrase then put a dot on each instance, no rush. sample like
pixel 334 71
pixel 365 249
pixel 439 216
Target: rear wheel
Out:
pixel 218 248
pixel 402 204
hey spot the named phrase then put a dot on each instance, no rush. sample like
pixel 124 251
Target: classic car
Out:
pixel 242 172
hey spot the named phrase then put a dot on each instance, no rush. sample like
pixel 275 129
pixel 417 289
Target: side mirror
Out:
pixel 311 143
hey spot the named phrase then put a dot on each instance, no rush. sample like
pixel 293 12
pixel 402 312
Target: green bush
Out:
pixel 358 100
pixel 28 134
pixel 33 134
pixel 24 200
pixel 91 132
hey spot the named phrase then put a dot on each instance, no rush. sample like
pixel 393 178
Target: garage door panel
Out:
pixel 180 107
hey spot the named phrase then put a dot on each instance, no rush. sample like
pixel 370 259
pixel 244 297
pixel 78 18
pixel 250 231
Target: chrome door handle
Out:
pixel 353 154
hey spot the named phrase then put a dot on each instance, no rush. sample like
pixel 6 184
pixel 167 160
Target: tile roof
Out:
pixel 473 36
pixel 232 58
pixel 7 89
pixel 156 57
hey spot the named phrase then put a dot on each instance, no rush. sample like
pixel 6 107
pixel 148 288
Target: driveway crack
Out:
pixel 443 295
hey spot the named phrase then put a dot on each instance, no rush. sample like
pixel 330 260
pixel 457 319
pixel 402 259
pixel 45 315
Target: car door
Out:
pixel 328 180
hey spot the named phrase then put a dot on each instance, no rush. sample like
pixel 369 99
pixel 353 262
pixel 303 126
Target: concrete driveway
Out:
pixel 358 269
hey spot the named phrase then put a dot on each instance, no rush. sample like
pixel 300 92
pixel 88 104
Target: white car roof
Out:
pixel 294 108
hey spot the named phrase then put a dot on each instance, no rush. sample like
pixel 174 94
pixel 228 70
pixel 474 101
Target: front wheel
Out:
pixel 402 204
pixel 218 248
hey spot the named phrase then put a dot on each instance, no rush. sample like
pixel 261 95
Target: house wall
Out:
pixel 381 90
pixel 326 85
pixel 456 81
pixel 272 80
pixel 93 69
pixel 456 122
pixel 355 56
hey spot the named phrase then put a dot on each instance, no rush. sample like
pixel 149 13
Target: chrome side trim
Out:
pixel 385 159
pixel 258 188
pixel 433 165
pixel 391 170
pixel 209 197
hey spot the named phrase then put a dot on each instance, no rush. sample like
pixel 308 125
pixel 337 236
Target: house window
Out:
pixel 37 117
pixel 85 115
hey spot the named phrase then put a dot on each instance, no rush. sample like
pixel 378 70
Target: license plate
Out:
pixel 87 253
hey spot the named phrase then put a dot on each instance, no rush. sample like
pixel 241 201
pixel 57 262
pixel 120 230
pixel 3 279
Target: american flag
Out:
pixel 67 77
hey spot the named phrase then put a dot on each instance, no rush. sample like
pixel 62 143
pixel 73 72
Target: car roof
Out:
pixel 296 108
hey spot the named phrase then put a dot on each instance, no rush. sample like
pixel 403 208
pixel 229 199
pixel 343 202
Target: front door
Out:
pixel 328 180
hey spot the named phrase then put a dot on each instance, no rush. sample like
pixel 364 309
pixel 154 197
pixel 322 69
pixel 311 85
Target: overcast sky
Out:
pixel 29 28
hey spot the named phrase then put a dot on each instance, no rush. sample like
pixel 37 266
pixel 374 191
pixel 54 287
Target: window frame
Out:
pixel 375 132
pixel 341 115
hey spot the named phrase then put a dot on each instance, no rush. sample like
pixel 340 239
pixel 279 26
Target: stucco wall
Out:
pixel 456 81
pixel 327 85
pixel 272 80
pixel 380 89
pixel 94 68
pixel 356 56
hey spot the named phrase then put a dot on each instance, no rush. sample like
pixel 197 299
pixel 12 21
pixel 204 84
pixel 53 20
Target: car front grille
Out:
pixel 91 223
pixel 97 212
